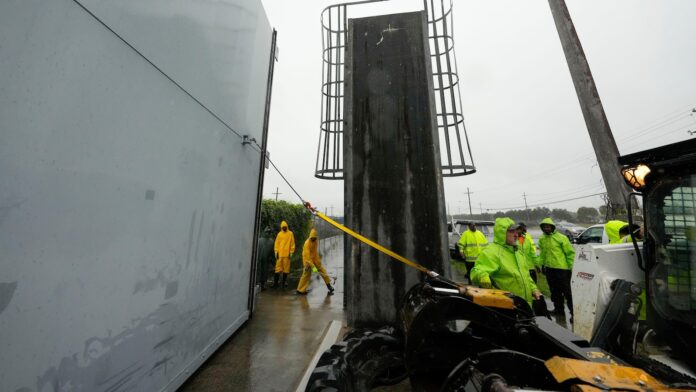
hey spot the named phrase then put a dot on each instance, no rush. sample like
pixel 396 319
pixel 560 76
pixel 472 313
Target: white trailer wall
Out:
pixel 127 203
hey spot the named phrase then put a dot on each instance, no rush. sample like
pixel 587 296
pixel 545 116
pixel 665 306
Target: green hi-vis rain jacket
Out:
pixel 503 265
pixel 612 228
pixel 529 251
pixel 471 243
pixel 556 250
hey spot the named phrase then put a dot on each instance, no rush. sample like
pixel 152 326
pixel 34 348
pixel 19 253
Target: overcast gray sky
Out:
pixel 522 116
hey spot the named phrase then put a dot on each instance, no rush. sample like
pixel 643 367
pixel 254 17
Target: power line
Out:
pixel 658 121
pixel 538 176
pixel 564 191
pixel 639 143
pixel 547 203
pixel 596 188
pixel 653 125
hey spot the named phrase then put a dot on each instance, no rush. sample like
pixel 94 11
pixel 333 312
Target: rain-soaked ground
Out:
pixel 273 350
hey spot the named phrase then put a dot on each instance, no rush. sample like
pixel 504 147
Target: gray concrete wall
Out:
pixel 393 183
pixel 126 205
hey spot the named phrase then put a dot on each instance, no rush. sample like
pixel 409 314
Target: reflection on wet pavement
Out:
pixel 273 349
pixel 271 352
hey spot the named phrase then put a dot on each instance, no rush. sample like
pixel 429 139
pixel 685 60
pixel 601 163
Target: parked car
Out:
pixel 594 234
pixel 570 230
pixel 456 228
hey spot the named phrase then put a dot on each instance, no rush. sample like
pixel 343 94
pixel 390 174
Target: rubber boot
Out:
pixel 275 280
pixel 331 289
pixel 285 281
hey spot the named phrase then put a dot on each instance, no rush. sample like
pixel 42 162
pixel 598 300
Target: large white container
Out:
pixel 127 201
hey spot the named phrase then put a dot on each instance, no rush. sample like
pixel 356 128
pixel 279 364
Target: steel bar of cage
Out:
pixel 451 85
pixel 440 81
pixel 455 161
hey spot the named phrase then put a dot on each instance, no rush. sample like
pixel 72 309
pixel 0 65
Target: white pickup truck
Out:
pixel 593 235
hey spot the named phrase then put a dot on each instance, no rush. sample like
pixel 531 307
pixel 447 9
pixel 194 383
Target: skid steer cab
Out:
pixel 665 178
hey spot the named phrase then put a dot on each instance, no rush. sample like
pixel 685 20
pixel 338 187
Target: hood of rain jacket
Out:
pixel 310 253
pixel 500 229
pixel 548 221
pixel 285 242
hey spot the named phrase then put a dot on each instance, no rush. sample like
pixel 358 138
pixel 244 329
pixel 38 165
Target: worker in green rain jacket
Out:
pixel 502 264
pixel 529 249
pixel 470 245
pixel 613 229
pixel 557 257
pixel 310 261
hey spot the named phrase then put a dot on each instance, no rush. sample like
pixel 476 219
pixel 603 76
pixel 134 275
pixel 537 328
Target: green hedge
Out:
pixel 298 219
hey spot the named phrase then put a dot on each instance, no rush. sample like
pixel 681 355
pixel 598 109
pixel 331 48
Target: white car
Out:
pixel 594 234
pixel 570 230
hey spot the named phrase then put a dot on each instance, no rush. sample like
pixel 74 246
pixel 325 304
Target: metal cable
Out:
pixel 265 156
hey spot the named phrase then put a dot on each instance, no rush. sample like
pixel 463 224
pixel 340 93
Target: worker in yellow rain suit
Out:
pixel 284 247
pixel 470 244
pixel 310 261
pixel 502 264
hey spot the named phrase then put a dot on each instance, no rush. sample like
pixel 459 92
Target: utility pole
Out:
pixel 276 193
pixel 591 105
pixel 331 210
pixel 468 195
pixel 481 208
pixel 524 196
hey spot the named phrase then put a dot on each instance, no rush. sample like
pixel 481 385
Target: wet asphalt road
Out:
pixel 273 349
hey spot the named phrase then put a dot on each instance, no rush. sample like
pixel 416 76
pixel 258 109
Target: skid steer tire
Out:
pixel 363 360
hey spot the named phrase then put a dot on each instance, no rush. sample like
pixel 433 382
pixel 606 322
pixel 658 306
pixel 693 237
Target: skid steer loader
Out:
pixel 455 337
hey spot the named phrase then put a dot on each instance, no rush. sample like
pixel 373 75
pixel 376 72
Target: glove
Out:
pixel 485 282
pixel 537 294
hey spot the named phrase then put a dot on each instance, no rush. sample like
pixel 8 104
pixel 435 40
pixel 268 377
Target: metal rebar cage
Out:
pixel 455 153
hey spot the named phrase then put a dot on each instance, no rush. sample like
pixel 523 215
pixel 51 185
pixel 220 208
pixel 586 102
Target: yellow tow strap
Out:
pixel 370 242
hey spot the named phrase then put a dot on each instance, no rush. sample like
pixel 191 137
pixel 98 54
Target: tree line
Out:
pixel 583 215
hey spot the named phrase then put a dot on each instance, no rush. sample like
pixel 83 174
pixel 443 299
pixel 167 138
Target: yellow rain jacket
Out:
pixel 310 251
pixel 471 244
pixel 504 266
pixel 284 242
pixel 311 261
pixel 556 250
